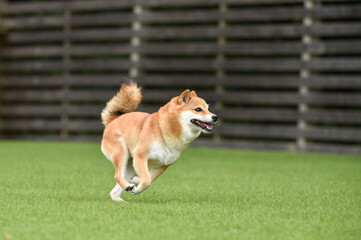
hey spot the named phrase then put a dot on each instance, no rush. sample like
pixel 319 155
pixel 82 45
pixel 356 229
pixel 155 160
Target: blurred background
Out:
pixel 281 74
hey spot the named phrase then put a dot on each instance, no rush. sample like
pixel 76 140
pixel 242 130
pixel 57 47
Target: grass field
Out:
pixel 61 191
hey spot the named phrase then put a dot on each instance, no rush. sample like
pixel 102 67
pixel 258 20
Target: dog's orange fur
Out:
pixel 138 131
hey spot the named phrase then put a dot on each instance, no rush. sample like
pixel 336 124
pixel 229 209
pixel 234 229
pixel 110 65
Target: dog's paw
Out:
pixel 135 180
pixel 130 187
pixel 134 190
pixel 119 199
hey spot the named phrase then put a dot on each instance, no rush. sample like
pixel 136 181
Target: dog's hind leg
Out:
pixel 120 159
pixel 117 191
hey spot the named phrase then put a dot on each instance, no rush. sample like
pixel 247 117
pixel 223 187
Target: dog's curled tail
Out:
pixel 126 100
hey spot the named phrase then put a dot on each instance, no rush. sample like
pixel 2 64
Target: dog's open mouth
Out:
pixel 204 125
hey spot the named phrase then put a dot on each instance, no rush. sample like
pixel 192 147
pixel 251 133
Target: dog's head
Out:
pixel 194 112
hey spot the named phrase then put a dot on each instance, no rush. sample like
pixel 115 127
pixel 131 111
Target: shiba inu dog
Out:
pixel 142 146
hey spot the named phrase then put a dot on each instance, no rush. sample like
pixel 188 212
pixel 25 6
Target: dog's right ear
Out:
pixel 184 97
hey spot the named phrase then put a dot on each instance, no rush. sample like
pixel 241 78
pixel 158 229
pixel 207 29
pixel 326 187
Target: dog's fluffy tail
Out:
pixel 126 100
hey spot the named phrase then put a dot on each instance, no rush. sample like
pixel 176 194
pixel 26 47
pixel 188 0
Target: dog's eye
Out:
pixel 198 109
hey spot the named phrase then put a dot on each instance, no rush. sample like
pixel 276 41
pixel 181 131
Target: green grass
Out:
pixel 61 191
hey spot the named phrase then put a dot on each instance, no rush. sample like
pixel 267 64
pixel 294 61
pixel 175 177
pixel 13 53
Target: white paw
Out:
pixel 135 190
pixel 117 198
pixel 135 180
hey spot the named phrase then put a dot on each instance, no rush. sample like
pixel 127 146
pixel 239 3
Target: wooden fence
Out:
pixel 282 74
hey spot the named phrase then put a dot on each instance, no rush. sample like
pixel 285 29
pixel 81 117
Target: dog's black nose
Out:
pixel 214 118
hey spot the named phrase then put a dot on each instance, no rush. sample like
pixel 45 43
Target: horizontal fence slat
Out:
pixel 332 116
pixel 333 134
pixel 52 125
pixel 53 65
pixel 247 144
pixel 186 81
pixel 333 81
pixel 275 30
pixel 282 47
pixel 335 64
pixel 260 14
pixel 77 50
pixel 114 4
pixel 274 114
pixel 51 110
pixel 257 131
pixel 335 99
pixel 199 64
pixel 287 64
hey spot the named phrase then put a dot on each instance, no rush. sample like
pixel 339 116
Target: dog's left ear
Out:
pixel 193 94
pixel 184 97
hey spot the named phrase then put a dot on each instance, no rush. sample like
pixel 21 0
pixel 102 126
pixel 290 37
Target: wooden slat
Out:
pixel 200 64
pixel 333 81
pixel 244 48
pixel 341 46
pixel 53 65
pixel 255 114
pixel 60 6
pixel 258 131
pixel 289 115
pixel 33 22
pixel 333 134
pixel 259 14
pixel 335 64
pixel 58 81
pixel 282 47
pixel 275 30
pixel 114 4
pixel 155 64
pixel 194 80
pixel 52 125
pixel 335 99
pixel 247 144
pixel 57 35
pixel 186 81
pixel 332 116
pixel 51 110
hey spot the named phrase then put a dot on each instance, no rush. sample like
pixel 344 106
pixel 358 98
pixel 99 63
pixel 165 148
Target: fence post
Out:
pixel 135 42
pixel 303 90
pixel 221 41
pixel 2 32
pixel 64 133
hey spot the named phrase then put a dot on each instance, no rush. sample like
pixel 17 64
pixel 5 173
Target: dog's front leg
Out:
pixel 141 168
pixel 154 174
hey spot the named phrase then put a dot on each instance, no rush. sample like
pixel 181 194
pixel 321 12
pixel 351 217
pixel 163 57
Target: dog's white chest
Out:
pixel 162 155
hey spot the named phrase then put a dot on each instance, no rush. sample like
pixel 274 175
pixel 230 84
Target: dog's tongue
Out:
pixel 206 125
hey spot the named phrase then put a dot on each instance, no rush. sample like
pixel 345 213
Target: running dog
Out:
pixel 142 146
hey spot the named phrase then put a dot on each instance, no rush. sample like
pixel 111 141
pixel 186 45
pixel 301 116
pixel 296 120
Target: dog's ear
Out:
pixel 193 94
pixel 184 97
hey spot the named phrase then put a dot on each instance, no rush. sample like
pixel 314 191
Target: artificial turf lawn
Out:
pixel 61 191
